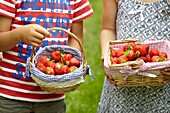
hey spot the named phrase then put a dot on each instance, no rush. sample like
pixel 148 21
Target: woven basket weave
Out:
pixel 137 73
pixel 58 84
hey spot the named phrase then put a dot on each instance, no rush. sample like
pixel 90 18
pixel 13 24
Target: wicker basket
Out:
pixel 137 73
pixel 59 84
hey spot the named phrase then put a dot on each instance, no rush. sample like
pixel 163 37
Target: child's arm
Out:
pixel 108 23
pixel 32 34
pixel 77 29
pixel 108 32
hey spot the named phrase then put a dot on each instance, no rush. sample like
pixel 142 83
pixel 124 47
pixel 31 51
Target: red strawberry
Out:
pixel 58 68
pixel 41 67
pixel 142 58
pixel 129 46
pixel 113 52
pixel 43 59
pixel 72 68
pixel 56 55
pixel 51 64
pixel 155 58
pixel 140 50
pixel 122 59
pixel 164 59
pixel 148 57
pixel 146 46
pixel 154 52
pixel 158 59
pixel 74 62
pixel 65 69
pixel 162 54
pixel 50 71
pixel 113 60
pixel 66 58
pixel 130 54
pixel 119 52
pixel 138 59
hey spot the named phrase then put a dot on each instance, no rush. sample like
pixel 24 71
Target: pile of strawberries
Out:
pixel 58 63
pixel 132 51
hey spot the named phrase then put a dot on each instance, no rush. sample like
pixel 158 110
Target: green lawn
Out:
pixel 86 97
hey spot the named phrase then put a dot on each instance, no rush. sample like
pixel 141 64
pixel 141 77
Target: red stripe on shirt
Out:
pixel 26 95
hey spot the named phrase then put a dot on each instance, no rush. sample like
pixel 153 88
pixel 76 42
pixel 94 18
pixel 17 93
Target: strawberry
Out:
pixel 72 68
pixel 138 59
pixel 51 64
pixel 58 68
pixel 122 59
pixel 113 52
pixel 146 46
pixel 155 58
pixel 66 58
pixel 154 52
pixel 41 67
pixel 148 57
pixel 43 59
pixel 50 71
pixel 74 62
pixel 140 50
pixel 56 55
pixel 65 69
pixel 164 59
pixel 119 52
pixel 162 54
pixel 113 60
pixel 129 46
pixel 142 58
pixel 130 54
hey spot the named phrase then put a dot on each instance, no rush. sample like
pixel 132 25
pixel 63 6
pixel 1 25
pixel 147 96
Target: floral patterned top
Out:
pixel 140 20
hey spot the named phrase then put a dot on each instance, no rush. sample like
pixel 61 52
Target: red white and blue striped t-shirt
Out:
pixel 47 13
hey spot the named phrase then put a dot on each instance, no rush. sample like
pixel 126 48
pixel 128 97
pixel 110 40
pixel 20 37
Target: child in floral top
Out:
pixel 124 19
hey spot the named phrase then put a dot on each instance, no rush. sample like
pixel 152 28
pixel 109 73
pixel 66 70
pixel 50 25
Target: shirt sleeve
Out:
pixel 7 8
pixel 82 10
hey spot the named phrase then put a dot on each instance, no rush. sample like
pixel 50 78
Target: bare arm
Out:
pixel 77 29
pixel 108 23
pixel 6 42
pixel 108 32
pixel 32 34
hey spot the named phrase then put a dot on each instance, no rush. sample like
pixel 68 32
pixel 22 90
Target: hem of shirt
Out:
pixel 32 100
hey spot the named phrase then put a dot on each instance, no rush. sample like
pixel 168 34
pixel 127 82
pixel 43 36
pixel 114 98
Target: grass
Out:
pixel 86 97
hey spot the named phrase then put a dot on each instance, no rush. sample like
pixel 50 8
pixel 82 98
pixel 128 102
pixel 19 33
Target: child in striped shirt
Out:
pixel 23 25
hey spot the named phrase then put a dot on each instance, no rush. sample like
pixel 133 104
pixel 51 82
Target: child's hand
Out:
pixel 108 76
pixel 102 58
pixel 165 71
pixel 32 34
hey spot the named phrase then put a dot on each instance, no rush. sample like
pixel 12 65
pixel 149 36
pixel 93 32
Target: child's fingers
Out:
pixel 102 58
pixel 36 40
pixel 42 30
pixel 38 35
pixel 34 44
pixel 167 69
pixel 165 73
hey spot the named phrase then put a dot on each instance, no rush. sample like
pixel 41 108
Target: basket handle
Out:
pixel 73 36
pixel 123 41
